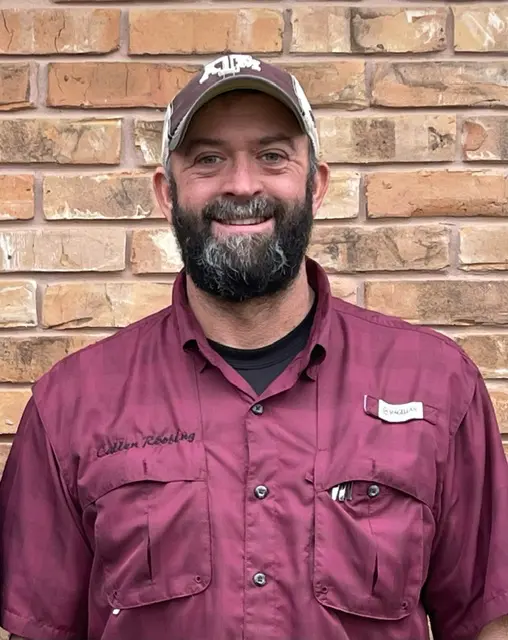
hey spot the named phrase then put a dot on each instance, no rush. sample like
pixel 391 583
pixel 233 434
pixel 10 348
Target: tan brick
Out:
pixel 12 405
pixel 115 84
pixel 392 138
pixel 488 351
pixel 155 251
pixel 499 399
pixel 481 28
pixel 343 197
pixel 126 195
pixel 320 29
pixel 92 249
pixel 440 84
pixel 25 359
pixel 485 139
pixel 339 84
pixel 436 193
pixel 341 249
pixel 205 31
pixel 47 31
pixel 484 248
pixel 15 84
pixel 148 141
pixel 5 449
pixel 60 141
pixel 398 30
pixel 17 304
pixel 16 197
pixel 74 305
pixel 345 288
pixel 441 302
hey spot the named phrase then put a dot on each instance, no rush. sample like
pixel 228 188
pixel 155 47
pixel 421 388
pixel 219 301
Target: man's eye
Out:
pixel 273 157
pixel 208 159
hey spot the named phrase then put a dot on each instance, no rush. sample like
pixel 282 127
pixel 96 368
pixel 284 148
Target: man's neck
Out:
pixel 254 323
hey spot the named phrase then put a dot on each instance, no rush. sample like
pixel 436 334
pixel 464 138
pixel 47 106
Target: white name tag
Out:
pixel 400 412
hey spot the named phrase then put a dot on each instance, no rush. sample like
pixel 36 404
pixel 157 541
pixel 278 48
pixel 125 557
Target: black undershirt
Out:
pixel 261 366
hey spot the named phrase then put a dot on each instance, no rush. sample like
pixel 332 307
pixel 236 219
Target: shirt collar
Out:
pixel 191 334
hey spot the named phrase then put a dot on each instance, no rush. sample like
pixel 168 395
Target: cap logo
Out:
pixel 229 66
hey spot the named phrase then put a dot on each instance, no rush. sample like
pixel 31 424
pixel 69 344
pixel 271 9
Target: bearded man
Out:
pixel 259 460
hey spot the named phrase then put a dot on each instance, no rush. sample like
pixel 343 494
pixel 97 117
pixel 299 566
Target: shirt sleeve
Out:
pixel 467 585
pixel 45 559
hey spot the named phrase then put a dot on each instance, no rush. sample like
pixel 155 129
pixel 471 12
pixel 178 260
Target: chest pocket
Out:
pixel 372 521
pixel 151 523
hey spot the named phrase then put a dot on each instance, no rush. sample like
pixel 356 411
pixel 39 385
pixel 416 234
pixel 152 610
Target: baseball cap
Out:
pixel 228 73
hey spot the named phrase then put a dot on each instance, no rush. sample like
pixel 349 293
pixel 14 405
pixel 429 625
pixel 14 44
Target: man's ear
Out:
pixel 162 191
pixel 320 186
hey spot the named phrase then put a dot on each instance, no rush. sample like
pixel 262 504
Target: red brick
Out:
pixel 485 139
pixel 499 399
pixel 155 251
pixel 481 28
pixel 18 306
pixel 346 249
pixel 12 404
pixel 60 141
pixel 489 351
pixel 15 84
pixel 339 84
pixel 115 196
pixel 344 288
pixel 484 248
pixel 440 84
pixel 148 141
pixel 205 31
pixel 87 249
pixel 48 31
pixel 342 199
pixel 27 358
pixel 74 305
pixel 115 84
pixel 16 197
pixel 441 302
pixel 320 29
pixel 407 194
pixel 5 449
pixel 398 29
pixel 387 138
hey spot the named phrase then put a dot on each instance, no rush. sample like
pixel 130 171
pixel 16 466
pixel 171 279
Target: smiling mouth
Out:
pixel 243 222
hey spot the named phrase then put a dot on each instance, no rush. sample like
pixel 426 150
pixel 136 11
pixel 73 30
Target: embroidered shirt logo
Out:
pixel 229 66
pixel 116 446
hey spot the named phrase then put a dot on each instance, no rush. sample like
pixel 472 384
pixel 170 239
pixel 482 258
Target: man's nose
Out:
pixel 243 179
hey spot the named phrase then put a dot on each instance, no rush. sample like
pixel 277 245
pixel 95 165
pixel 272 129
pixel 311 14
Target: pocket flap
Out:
pixel 168 464
pixel 392 473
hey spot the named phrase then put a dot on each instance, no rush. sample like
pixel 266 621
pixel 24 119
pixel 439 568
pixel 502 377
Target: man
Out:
pixel 260 460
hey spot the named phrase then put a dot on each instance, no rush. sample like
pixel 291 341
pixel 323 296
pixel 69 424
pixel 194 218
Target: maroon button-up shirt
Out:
pixel 129 507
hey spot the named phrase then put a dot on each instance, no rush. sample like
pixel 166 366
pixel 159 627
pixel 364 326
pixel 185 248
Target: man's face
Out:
pixel 242 201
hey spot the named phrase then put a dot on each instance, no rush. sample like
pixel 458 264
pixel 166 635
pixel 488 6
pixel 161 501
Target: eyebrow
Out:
pixel 217 142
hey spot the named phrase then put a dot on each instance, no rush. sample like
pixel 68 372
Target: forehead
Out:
pixel 243 112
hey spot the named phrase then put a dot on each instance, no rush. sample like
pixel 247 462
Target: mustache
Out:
pixel 226 210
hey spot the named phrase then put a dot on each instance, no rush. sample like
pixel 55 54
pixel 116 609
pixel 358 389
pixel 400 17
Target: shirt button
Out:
pixel 257 409
pixel 373 491
pixel 259 579
pixel 261 491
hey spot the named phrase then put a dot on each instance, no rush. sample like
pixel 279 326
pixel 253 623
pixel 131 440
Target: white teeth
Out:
pixel 247 221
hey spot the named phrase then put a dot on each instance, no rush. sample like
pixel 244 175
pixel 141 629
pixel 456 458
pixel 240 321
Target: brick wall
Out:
pixel 411 102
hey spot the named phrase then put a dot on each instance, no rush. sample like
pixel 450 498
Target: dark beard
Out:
pixel 240 267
